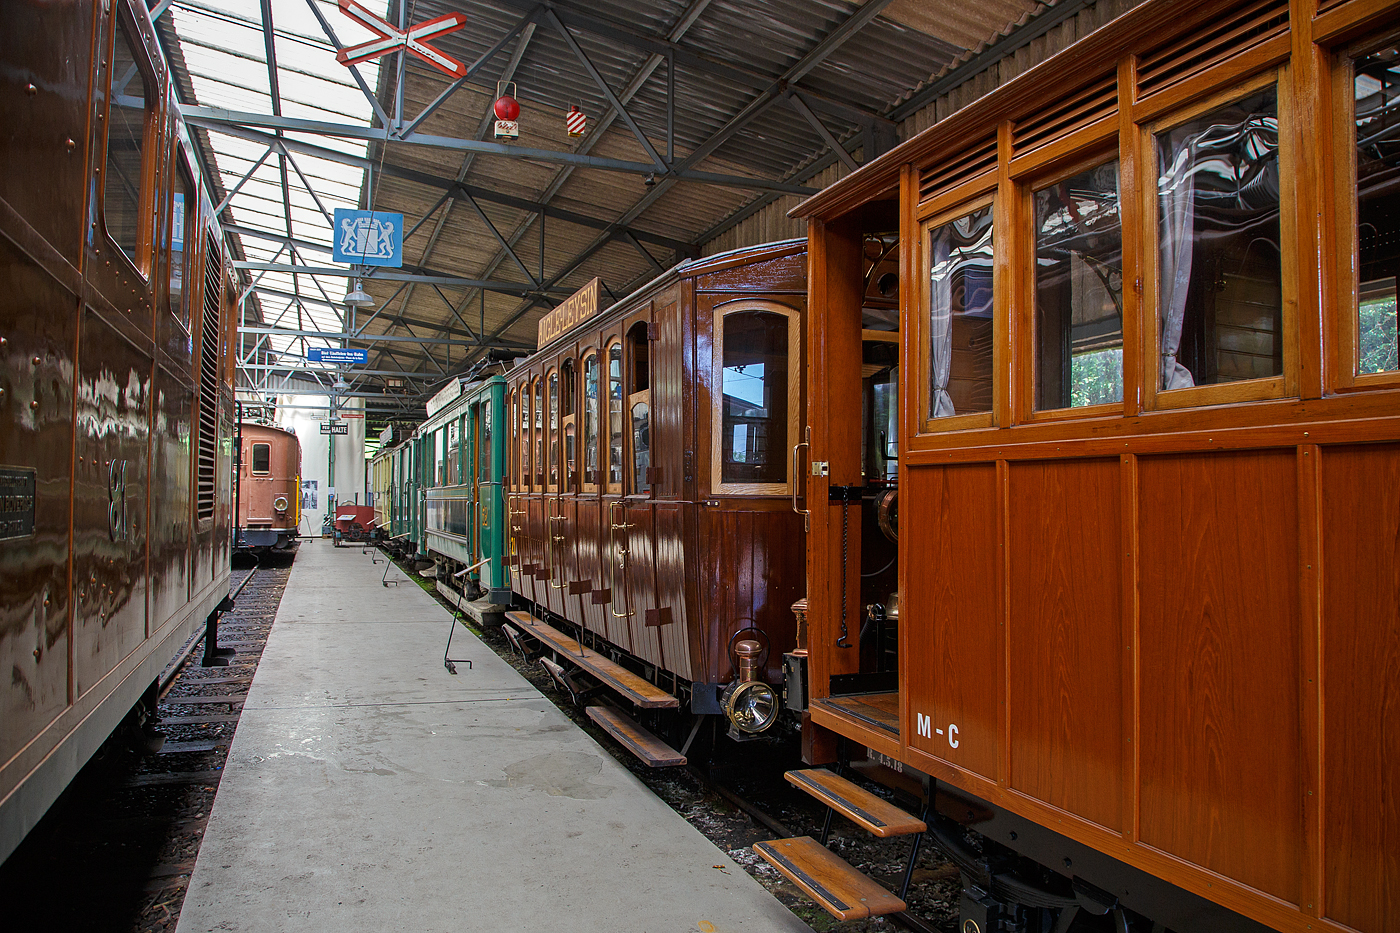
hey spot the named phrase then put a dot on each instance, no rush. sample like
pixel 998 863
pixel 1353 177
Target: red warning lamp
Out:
pixel 507 110
pixel 575 121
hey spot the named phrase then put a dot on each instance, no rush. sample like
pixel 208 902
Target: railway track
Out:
pixel 115 853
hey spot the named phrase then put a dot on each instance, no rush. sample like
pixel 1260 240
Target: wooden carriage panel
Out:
pixel 672 425
pixel 675 586
pixel 1360 519
pixel 951 614
pixel 638 577
pixel 534 536
pixel 38 318
pixel 555 534
pixel 784 274
pixel 1064 636
pixel 1221 762
pixel 592 555
pixel 171 472
pixel 109 500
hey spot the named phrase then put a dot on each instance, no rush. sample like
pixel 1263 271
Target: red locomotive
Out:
pixel 269 488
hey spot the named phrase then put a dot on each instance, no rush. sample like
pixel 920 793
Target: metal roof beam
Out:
pixel 346 335
pixel 217 118
pixel 425 278
pixel 294 368
pixel 831 141
pixel 447 184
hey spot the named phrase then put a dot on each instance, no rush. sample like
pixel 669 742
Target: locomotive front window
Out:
pixel 615 418
pixel 122 193
pixel 1079 290
pixel 960 315
pixel 754 398
pixel 590 419
pixel 262 459
pixel 1219 267
pixel 1376 90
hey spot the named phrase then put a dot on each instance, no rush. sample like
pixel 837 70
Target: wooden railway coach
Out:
pixel 269 487
pixel 1149 476
pixel 116 402
pixel 650 479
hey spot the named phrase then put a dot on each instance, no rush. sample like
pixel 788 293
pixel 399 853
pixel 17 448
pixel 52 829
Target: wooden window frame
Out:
pixel 1344 358
pixel 144 263
pixel 568 389
pixel 539 427
pixel 631 397
pixel 1269 388
pixel 527 434
pixel 590 488
pixel 1025 328
pixel 613 489
pixel 553 429
pixel 959 202
pixel 794 397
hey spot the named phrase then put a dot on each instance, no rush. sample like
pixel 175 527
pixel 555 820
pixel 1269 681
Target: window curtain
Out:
pixel 1231 172
pixel 941 322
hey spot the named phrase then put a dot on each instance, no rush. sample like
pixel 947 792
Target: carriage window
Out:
pixel 454 453
pixel 539 432
pixel 568 389
pixel 590 420
pixel 1376 86
pixel 641 447
pixel 183 213
pixel 440 447
pixel 126 139
pixel 554 430
pixel 754 417
pixel 1220 302
pixel 1079 291
pixel 262 459
pixel 615 418
pixel 960 315
pixel 639 404
pixel 483 459
pixel 524 435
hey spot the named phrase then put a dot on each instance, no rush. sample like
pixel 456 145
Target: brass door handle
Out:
pixel 796 473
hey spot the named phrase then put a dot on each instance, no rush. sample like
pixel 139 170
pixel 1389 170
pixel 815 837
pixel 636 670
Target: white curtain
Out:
pixel 1176 196
pixel 941 322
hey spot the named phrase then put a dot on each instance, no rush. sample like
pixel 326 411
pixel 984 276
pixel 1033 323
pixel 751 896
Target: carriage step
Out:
pixel 875 814
pixel 640 742
pixel 826 878
pixel 615 676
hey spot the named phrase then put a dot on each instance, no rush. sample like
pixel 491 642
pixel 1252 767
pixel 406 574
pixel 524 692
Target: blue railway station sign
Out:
pixel 368 238
pixel 345 356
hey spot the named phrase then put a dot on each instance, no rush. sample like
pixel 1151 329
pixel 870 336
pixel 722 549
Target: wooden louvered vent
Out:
pixel 1093 103
pixel 969 164
pixel 209 381
pixel 1233 32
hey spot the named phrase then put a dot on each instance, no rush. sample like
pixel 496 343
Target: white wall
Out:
pixel 349 479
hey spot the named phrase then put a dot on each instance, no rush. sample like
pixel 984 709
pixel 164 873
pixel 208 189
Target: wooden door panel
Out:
pixel 1360 517
pixel 672 573
pixel 1219 655
pixel 951 612
pixel 1064 636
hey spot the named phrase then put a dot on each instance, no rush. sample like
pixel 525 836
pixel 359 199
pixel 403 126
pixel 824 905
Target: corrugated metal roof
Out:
pixel 732 59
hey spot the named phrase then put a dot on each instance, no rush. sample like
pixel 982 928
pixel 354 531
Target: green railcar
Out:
pixel 458 457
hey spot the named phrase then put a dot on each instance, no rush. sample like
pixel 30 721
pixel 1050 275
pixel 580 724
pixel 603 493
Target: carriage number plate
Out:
pixel 16 503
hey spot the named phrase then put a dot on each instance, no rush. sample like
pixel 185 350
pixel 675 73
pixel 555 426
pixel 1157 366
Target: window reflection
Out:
pixel 615 415
pixel 1079 291
pixel 754 416
pixel 590 419
pixel 960 310
pixel 1377 91
pixel 641 447
pixel 554 429
pixel 1220 302
pixel 126 137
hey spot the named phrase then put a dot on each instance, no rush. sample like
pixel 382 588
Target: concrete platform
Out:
pixel 369 789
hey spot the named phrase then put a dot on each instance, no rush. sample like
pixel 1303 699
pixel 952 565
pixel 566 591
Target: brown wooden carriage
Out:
pixel 650 478
pixel 1149 474
pixel 117 353
pixel 269 487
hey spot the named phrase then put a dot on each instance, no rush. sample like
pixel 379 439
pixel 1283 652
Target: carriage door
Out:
pixel 851 481
pixel 630 388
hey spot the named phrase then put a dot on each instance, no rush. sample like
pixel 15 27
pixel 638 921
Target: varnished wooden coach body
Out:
pixel 116 410
pixel 643 537
pixel 269 487
pixel 1165 626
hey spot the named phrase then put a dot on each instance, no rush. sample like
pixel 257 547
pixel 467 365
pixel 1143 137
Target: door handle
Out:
pixel 796 479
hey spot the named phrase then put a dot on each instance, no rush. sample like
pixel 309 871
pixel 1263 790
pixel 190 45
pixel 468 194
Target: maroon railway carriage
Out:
pixel 650 481
pixel 269 487
pixel 116 408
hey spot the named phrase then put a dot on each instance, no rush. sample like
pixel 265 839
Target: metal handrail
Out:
pixel 796 480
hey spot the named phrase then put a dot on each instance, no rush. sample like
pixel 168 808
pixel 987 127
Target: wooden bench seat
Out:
pixel 615 676
pixel 875 814
pixel 637 740
pixel 828 879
